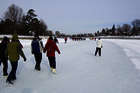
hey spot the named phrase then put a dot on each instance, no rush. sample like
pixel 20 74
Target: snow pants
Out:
pixel 52 61
pixel 5 66
pixel 38 58
pixel 98 50
pixel 12 75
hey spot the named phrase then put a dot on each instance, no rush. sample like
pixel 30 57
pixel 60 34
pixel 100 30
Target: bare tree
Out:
pixel 14 13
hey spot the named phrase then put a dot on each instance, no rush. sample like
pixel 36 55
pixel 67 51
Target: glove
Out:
pixel 101 46
pixel 44 50
pixel 25 59
pixel 58 52
pixel 32 52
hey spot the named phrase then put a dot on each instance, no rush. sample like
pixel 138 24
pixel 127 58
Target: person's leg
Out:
pixel 99 51
pixel 96 51
pixel 50 61
pixel 12 75
pixel 5 67
pixel 14 70
pixel 37 61
pixel 53 63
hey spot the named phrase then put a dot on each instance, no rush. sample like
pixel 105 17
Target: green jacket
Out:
pixel 14 51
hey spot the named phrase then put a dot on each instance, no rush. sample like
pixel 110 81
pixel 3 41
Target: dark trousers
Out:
pixel 52 62
pixel 12 75
pixel 38 58
pixel 0 62
pixel 98 50
pixel 5 66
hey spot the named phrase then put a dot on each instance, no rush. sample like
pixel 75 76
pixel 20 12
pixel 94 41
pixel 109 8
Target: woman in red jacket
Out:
pixel 51 47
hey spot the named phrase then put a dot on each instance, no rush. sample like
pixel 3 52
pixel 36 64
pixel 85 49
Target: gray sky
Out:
pixel 78 16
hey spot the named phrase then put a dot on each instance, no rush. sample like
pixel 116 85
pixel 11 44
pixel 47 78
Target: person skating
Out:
pixel 99 46
pixel 51 47
pixel 4 55
pixel 56 40
pixel 37 47
pixel 14 50
pixel 65 39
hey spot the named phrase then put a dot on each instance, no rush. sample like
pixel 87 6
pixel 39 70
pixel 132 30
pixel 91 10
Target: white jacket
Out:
pixel 99 43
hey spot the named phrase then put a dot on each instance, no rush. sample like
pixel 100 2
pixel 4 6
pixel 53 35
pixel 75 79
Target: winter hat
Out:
pixel 5 39
pixel 15 37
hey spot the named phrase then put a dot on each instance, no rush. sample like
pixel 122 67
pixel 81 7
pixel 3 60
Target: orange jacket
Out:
pixel 51 47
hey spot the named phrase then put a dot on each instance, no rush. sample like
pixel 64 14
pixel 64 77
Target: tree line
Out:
pixel 132 29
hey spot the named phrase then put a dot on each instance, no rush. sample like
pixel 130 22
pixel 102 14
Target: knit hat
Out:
pixel 15 37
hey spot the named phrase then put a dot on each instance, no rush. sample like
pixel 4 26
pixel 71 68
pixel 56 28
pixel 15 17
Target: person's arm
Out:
pixel 41 44
pixel 45 48
pixel 6 52
pixel 57 49
pixel 101 44
pixel 32 47
pixel 57 41
pixel 21 53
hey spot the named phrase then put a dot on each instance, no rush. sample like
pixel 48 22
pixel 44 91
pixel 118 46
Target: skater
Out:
pixel 51 47
pixel 14 52
pixel 99 46
pixel 4 55
pixel 65 39
pixel 56 40
pixel 36 49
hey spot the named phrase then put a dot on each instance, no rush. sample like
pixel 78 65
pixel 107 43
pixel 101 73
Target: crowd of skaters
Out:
pixel 78 38
pixel 12 50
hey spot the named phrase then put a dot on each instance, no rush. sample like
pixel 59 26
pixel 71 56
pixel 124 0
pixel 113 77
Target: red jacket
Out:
pixel 51 47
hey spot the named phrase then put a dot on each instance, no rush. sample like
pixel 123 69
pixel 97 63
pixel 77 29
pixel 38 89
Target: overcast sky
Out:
pixel 78 16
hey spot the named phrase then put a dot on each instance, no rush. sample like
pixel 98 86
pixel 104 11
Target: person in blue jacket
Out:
pixel 36 49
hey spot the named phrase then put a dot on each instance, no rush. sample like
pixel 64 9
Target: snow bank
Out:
pixel 131 48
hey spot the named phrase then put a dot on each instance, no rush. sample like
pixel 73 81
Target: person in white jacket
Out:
pixel 99 46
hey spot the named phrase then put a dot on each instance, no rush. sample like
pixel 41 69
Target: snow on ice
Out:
pixel 79 71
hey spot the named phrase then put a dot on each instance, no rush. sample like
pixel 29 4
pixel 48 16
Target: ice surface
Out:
pixel 79 71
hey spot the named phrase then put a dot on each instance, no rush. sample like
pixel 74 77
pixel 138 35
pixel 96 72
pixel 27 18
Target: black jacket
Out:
pixel 3 51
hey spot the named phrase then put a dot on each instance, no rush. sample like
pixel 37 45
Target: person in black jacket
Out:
pixel 56 40
pixel 4 55
pixel 36 49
